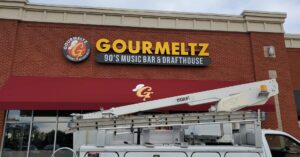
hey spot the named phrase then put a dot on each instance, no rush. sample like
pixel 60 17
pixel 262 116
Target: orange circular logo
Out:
pixel 76 49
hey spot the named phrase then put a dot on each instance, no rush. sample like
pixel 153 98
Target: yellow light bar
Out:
pixel 263 88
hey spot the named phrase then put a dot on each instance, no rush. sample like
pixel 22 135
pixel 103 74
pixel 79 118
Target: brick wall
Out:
pixel 8 34
pixel 42 55
pixel 36 50
pixel 294 64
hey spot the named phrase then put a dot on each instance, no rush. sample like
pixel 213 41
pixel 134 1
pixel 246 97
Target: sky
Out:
pixel 230 7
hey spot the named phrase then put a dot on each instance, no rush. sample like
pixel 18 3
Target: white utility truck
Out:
pixel 222 132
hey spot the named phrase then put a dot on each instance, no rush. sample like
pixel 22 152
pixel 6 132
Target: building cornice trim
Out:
pixel 292 40
pixel 248 21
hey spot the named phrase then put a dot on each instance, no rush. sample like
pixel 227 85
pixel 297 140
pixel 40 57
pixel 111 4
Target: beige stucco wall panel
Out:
pixel 54 17
pixel 185 24
pixel 131 21
pixel 203 25
pixel 220 25
pixel 235 26
pixel 292 40
pixel 12 13
pixel 74 18
pixel 167 23
pixel 93 19
pixel 255 26
pixel 112 20
pixel 28 15
pixel 288 43
pixel 296 43
pixel 149 22
pixel 274 27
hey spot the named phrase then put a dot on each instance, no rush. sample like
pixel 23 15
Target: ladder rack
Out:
pixel 164 120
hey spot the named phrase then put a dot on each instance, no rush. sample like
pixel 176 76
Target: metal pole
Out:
pixel 30 131
pixel 55 132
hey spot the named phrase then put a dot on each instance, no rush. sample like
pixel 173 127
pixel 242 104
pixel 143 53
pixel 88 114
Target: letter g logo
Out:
pixel 143 91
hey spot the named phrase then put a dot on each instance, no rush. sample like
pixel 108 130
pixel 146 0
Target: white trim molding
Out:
pixel 248 21
pixel 292 40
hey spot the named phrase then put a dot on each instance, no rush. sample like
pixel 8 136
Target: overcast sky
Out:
pixel 233 7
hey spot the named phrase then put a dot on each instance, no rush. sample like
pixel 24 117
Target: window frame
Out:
pixel 282 135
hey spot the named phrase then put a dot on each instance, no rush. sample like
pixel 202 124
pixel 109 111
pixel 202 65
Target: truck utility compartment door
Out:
pixel 203 154
pixel 101 154
pixel 156 154
pixel 242 155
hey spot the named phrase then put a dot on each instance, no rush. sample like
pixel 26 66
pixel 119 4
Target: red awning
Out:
pixel 65 93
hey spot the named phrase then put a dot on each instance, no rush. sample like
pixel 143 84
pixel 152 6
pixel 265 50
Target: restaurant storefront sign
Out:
pixel 147 53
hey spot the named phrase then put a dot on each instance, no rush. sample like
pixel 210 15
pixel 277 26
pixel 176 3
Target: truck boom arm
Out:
pixel 227 99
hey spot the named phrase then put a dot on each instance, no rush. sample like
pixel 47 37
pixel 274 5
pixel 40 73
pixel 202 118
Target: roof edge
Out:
pixel 248 21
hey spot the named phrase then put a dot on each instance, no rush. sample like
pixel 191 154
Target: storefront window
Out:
pixel 42 139
pixel 19 116
pixel 16 140
pixel 44 116
pixel 40 127
pixel 65 116
pixel 64 140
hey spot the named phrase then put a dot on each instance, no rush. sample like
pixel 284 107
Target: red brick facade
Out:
pixel 294 64
pixel 35 49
